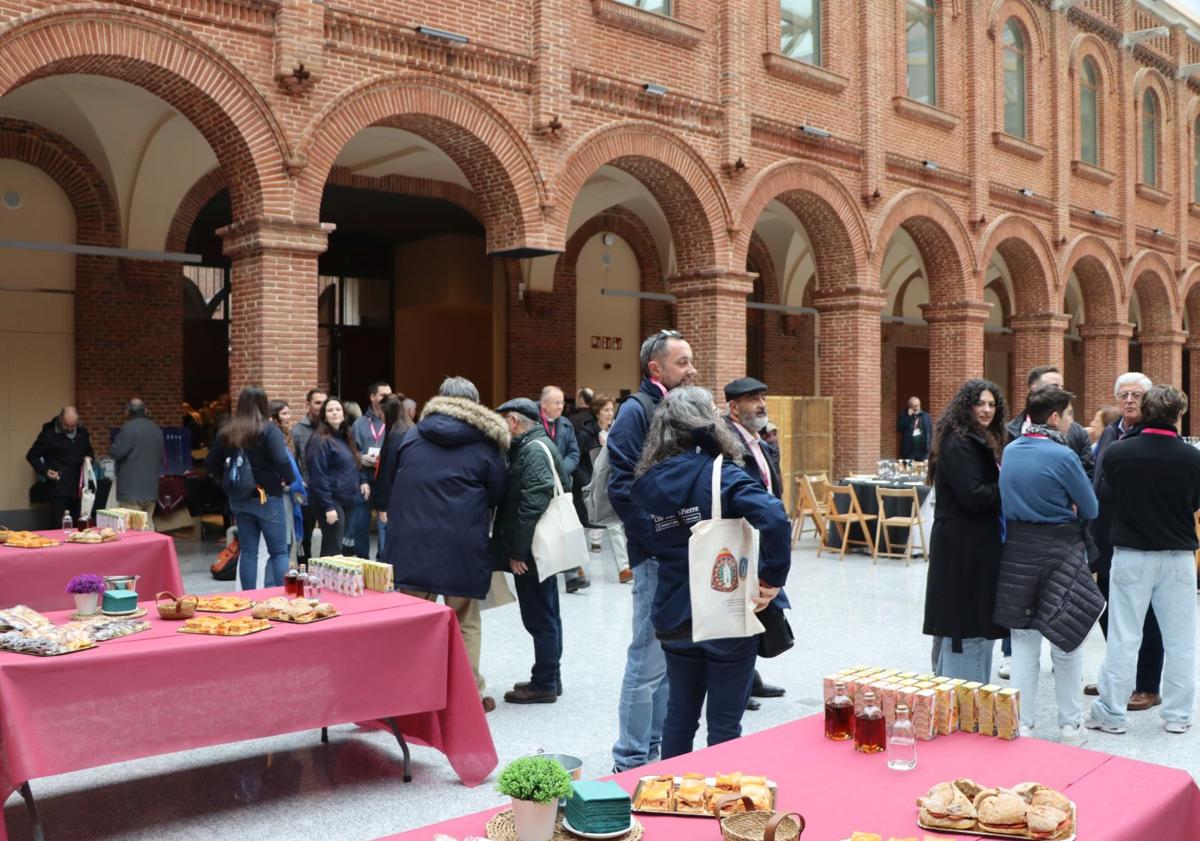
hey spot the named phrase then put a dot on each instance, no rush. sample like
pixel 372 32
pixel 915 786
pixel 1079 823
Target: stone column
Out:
pixel 955 348
pixel 273 326
pixel 849 344
pixel 1105 357
pixel 1037 340
pixel 710 311
pixel 1162 357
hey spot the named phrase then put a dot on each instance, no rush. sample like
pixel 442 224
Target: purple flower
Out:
pixel 86 583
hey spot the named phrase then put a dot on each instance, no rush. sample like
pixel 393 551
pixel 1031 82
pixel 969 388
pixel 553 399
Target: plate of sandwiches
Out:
pixel 1026 810
pixel 104 535
pixel 28 540
pixel 218 627
pixel 697 795
pixel 221 604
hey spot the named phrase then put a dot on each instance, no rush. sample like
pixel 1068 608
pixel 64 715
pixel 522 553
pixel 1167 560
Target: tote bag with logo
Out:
pixel 723 573
pixel 559 543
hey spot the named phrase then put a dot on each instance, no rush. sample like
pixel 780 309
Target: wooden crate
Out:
pixel 805 438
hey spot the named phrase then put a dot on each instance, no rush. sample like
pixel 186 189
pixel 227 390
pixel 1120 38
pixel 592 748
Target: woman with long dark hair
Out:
pixel 397 422
pixel 251 432
pixel 333 479
pixel 964 547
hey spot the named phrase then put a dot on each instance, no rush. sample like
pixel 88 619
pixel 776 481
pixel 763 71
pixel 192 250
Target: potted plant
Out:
pixel 86 589
pixel 535 784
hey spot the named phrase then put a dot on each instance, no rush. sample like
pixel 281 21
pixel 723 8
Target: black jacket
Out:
pixel 1045 583
pixel 53 450
pixel 1101 527
pixel 964 547
pixel 916 449
pixel 268 459
pixel 1077 439
pixel 385 475
pixel 587 434
pixel 332 474
pixel 530 489
pixel 1155 482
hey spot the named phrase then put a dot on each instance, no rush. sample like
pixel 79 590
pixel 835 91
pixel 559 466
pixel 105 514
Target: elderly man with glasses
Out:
pixel 1129 390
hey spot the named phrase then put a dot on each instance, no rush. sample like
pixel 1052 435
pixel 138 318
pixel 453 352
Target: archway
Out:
pixel 1090 265
pixel 1154 309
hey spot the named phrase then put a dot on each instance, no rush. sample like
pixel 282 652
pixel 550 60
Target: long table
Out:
pixel 839 791
pixel 38 577
pixel 389 659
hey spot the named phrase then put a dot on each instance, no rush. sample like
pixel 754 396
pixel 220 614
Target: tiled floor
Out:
pixel 292 786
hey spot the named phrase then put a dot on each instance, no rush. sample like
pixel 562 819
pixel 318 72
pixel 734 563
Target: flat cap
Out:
pixel 746 385
pixel 522 406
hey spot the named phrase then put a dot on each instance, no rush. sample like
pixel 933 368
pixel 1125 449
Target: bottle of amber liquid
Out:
pixel 870 730
pixel 301 584
pixel 839 714
pixel 290 578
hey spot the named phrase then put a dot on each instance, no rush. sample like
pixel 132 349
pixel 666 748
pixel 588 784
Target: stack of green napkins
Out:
pixel 598 807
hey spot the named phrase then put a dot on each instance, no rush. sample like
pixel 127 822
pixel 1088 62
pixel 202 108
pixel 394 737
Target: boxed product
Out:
pixel 887 702
pixel 985 710
pixel 924 722
pixel 1008 713
pixel 945 709
pixel 965 695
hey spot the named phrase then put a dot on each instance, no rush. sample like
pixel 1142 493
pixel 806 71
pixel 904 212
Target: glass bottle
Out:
pixel 289 578
pixel 68 524
pixel 302 582
pixel 839 714
pixel 902 741
pixel 870 730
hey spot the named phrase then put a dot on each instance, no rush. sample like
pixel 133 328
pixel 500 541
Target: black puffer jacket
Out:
pixel 1045 583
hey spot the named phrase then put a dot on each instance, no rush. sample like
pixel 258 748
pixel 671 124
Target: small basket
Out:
pixel 757 826
pixel 177 608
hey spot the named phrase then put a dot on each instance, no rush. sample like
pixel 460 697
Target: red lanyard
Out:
pixel 375 436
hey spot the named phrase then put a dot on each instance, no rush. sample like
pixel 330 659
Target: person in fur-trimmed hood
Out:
pixel 451 471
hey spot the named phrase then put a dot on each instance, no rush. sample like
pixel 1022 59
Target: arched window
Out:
pixel 1089 114
pixel 921 34
pixel 1149 138
pixel 1196 160
pixel 800 30
pixel 1014 79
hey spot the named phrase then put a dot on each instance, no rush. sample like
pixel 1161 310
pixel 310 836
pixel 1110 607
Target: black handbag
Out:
pixel 777 636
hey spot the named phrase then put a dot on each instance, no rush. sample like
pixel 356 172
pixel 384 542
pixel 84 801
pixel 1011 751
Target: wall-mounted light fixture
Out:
pixel 1026 192
pixel 813 131
pixel 932 166
pixel 442 35
pixel 1158 232
pixel 1099 214
pixel 654 90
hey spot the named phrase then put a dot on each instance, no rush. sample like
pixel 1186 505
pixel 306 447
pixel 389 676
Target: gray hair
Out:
pixel 135 408
pixel 1132 378
pixel 524 423
pixel 655 348
pixel 683 412
pixel 459 387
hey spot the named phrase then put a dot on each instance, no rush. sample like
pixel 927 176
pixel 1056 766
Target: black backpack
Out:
pixel 595 496
pixel 237 480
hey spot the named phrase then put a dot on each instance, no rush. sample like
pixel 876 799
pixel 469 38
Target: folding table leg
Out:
pixel 403 748
pixel 324 735
pixel 39 834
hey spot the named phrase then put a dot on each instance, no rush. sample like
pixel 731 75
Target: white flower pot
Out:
pixel 534 821
pixel 85 603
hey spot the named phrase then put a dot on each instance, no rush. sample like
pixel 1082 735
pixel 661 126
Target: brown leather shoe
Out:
pixel 1091 689
pixel 530 694
pixel 625 575
pixel 489 703
pixel 1139 701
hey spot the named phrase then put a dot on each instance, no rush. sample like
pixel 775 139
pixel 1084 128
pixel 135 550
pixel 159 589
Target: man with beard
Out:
pixel 746 401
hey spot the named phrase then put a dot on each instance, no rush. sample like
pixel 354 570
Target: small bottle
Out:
pixel 289 579
pixel 902 741
pixel 68 524
pixel 870 730
pixel 302 582
pixel 839 714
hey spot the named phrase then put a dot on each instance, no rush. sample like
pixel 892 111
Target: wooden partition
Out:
pixel 805 438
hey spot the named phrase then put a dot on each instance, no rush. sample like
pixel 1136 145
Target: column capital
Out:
pixel 1110 330
pixel 1170 337
pixel 268 233
pixel 842 299
pixel 1049 322
pixel 1193 343
pixel 963 311
pixel 714 281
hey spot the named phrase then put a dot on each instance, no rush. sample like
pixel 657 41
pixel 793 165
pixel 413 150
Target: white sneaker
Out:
pixel 1096 724
pixel 1005 667
pixel 1072 734
pixel 1026 731
pixel 1177 726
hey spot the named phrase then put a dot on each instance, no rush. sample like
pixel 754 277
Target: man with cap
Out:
pixel 746 402
pixel 530 489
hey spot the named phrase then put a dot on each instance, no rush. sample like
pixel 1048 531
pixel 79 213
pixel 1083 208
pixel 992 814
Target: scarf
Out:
pixel 1047 431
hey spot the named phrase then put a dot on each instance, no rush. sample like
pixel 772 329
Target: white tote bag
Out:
pixel 723 573
pixel 87 489
pixel 559 543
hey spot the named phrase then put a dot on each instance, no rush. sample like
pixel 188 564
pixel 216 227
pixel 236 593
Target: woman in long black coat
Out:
pixel 964 550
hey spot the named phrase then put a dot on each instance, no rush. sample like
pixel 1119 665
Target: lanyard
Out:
pixel 375 436
pixel 1036 435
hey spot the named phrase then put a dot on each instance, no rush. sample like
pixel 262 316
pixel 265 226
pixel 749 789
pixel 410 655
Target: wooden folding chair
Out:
pixel 808 506
pixel 845 520
pixel 911 521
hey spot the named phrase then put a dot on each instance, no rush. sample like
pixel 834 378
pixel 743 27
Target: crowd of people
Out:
pixel 1041 528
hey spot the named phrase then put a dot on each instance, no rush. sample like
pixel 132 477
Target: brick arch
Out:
pixel 97 220
pixel 831 219
pixel 1085 45
pixel 486 148
pixel 176 66
pixel 940 237
pixel 1149 76
pixel 1189 294
pixel 1151 278
pixel 674 174
pixel 1030 262
pixel 200 194
pixel 1002 10
pixel 1100 278
pixel 760 255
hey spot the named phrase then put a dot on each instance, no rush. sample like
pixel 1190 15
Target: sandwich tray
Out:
pixel 979 833
pixel 771 787
pixel 239 634
pixel 247 606
pixel 290 621
pixel 43 546
pixel 55 654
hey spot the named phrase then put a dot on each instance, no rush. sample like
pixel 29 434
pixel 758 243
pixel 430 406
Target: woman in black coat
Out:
pixel 964 550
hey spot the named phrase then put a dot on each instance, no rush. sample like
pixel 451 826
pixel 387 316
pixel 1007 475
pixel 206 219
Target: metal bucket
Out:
pixel 572 764
pixel 121 582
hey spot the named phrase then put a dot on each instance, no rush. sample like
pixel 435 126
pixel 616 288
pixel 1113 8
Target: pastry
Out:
pixel 759 794
pixel 222 604
pixel 655 794
pixel 690 797
pixel 1001 812
pixel 1044 796
pixel 946 807
pixel 1045 822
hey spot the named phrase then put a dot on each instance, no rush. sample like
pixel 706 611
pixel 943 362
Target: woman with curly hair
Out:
pixel 964 550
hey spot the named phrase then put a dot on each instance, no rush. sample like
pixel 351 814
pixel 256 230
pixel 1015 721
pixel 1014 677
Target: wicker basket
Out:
pixel 184 608
pixel 758 826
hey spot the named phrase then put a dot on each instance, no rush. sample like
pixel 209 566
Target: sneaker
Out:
pixel 1026 731
pixel 1103 727
pixel 1072 734
pixel 1005 667
pixel 1177 726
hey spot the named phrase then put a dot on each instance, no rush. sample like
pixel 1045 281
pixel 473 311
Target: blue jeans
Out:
pixel 1166 580
pixel 358 529
pixel 643 704
pixel 539 614
pixel 974 663
pixel 716 674
pixel 382 528
pixel 270 522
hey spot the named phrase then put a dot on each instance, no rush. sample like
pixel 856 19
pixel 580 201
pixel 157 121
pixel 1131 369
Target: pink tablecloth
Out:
pixel 161 691
pixel 38 577
pixel 839 791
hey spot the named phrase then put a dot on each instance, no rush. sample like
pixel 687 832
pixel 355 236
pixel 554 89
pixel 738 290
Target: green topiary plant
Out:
pixel 535 778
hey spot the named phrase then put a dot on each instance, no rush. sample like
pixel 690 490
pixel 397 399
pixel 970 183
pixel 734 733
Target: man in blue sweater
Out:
pixel 666 364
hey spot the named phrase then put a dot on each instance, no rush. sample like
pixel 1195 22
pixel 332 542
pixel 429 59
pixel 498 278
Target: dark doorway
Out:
pixel 912 380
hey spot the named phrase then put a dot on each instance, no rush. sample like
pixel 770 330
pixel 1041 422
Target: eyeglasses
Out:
pixel 1131 395
pixel 663 336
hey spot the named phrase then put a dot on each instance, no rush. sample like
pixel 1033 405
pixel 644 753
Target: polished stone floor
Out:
pixel 292 786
